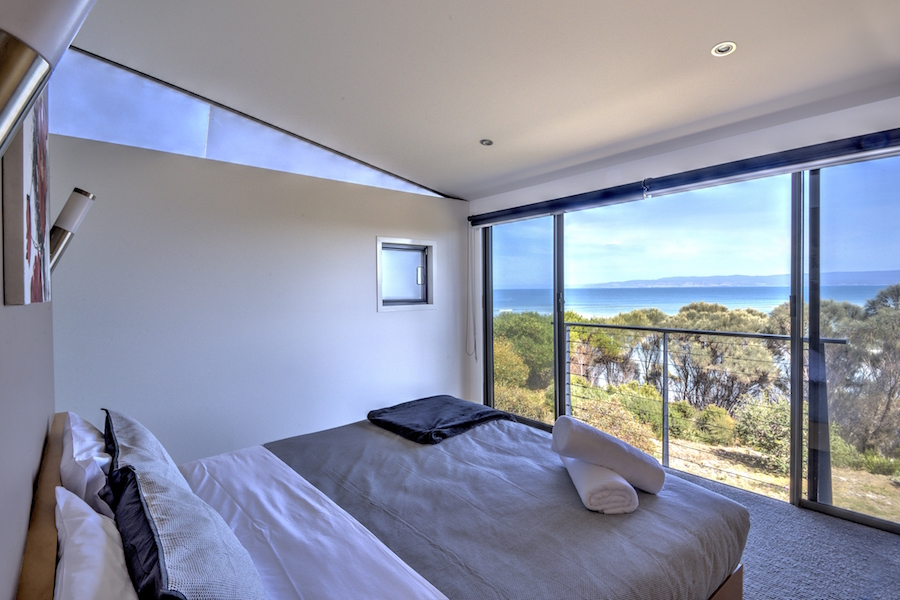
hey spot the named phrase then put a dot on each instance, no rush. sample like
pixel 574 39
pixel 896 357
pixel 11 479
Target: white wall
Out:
pixel 225 306
pixel 26 407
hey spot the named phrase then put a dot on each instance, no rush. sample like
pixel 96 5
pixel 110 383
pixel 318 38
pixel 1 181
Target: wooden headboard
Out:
pixel 39 561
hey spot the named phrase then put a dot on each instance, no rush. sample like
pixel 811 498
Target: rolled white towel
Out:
pixel 601 489
pixel 579 440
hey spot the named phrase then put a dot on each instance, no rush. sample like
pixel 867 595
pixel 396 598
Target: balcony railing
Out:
pixel 656 386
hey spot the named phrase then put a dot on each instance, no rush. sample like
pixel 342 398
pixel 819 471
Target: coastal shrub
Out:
pixel 642 401
pixel 534 404
pixel 550 394
pixel 765 425
pixel 681 420
pixel 509 368
pixel 844 454
pixel 603 409
pixel 645 402
pixel 877 464
pixel 531 335
pixel 716 426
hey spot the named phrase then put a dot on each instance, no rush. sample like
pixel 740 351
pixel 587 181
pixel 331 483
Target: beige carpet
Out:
pixel 793 553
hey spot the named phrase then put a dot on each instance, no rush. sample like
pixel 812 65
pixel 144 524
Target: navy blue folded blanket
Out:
pixel 432 420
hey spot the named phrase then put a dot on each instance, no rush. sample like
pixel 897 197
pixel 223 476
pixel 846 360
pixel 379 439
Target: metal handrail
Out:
pixel 665 331
pixel 743 334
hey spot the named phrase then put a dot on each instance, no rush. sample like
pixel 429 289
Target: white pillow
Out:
pixel 177 546
pixel 85 462
pixel 91 561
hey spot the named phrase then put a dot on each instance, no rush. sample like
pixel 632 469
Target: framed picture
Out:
pixel 26 227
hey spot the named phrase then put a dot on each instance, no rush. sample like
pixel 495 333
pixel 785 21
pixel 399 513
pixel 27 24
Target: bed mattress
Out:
pixel 303 545
pixel 492 513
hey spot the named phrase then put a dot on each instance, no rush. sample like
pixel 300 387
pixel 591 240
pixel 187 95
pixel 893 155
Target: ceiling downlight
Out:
pixel 724 48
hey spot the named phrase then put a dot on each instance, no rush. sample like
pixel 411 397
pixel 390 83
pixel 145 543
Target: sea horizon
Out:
pixel 610 301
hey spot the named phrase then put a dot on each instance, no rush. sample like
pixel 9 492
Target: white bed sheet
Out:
pixel 303 544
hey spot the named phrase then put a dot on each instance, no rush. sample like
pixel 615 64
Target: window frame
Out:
pixel 427 247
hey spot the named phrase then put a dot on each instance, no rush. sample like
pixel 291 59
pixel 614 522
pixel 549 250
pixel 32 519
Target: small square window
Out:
pixel 405 276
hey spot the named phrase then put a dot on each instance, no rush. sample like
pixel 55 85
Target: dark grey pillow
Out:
pixel 176 545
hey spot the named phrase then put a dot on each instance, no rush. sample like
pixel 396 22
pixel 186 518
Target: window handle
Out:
pixel 420 275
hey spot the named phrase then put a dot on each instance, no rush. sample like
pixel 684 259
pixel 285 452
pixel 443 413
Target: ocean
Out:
pixel 608 302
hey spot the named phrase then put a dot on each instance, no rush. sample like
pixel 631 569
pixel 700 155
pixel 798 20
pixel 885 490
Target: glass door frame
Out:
pixel 487 303
pixel 559 326
pixel 807 202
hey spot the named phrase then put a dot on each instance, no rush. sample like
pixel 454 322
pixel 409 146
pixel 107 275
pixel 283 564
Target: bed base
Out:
pixel 39 561
pixel 732 588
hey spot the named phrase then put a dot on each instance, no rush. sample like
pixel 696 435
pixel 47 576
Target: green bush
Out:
pixel 509 368
pixel 681 420
pixel 603 409
pixel 642 401
pixel 766 426
pixel 877 464
pixel 842 453
pixel 716 426
pixel 534 404
pixel 645 403
pixel 531 335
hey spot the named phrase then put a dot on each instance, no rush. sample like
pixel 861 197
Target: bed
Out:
pixel 489 513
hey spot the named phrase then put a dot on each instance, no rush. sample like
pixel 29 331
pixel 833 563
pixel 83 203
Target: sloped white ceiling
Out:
pixel 411 86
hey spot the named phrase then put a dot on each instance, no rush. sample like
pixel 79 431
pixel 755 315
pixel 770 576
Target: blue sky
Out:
pixel 735 229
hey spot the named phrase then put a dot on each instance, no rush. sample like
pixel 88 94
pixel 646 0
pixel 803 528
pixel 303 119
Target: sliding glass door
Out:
pixel 522 265
pixel 853 383
pixel 747 332
pixel 678 328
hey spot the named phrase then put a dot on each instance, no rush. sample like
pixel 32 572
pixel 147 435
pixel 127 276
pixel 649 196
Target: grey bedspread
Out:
pixel 492 513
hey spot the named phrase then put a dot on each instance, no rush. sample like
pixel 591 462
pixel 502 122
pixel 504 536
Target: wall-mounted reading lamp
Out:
pixel 67 223
pixel 33 36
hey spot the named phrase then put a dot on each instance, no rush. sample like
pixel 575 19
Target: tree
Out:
pixel 888 298
pixel 531 336
pixel 590 347
pixel 779 323
pixel 864 376
pixel 609 356
pixel 719 370
pixel 704 369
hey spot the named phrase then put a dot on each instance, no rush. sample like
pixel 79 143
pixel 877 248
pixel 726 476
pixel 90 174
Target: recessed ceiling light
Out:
pixel 486 142
pixel 724 48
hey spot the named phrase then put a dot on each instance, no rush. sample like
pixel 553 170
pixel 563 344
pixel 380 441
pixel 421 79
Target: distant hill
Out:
pixel 861 278
pixel 835 278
